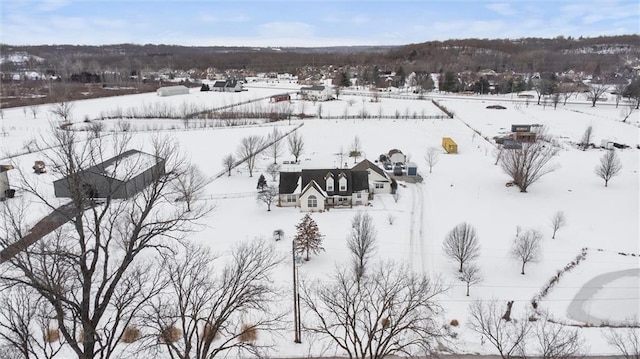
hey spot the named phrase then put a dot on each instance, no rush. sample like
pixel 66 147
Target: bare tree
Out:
pixel 595 91
pixel 248 151
pixel 273 169
pixel 63 110
pixel 557 221
pixel 22 310
pixel 625 340
pixel 341 155
pixel 432 156
pixel 620 88
pixel 268 196
pixel 319 110
pixel 461 244
pixel 626 111
pixel 361 242
pixel 275 149
pixel 212 308
pixel 585 141
pixel 470 275
pixel 189 186
pixel 356 148
pixel 296 145
pixel 609 166
pixel 34 111
pixel 555 341
pixel 527 247
pixel 555 99
pixel 95 271
pixel 308 238
pixel 508 337
pixel 229 162
pixel 391 311
pixel 527 164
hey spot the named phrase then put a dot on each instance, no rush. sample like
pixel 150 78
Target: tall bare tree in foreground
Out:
pixel 432 156
pixel 527 247
pixel 95 271
pixel 361 242
pixel 508 337
pixel 555 341
pixel 211 307
pixel 557 221
pixel 248 151
pixel 609 166
pixel 625 340
pixel 527 164
pixel 25 323
pixel 296 145
pixel 461 244
pixel 390 311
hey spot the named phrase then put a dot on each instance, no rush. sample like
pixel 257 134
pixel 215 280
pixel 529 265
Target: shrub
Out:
pixel 206 331
pixel 249 333
pixel 170 335
pixel 385 322
pixel 454 323
pixel 51 335
pixel 130 334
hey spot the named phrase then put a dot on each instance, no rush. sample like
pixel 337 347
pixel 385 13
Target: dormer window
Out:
pixel 342 182
pixel 329 182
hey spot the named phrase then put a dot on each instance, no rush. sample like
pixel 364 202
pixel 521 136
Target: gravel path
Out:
pixel 576 308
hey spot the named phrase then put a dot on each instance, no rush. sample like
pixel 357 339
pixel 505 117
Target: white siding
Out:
pixel 304 200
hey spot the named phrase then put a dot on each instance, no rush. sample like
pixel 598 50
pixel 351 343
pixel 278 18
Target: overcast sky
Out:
pixel 304 22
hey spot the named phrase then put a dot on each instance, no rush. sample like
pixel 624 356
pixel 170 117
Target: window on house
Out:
pixel 312 201
pixel 359 195
pixel 379 185
pixel 343 184
pixel 291 198
pixel 329 183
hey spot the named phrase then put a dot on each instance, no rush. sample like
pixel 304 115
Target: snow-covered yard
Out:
pixel 464 187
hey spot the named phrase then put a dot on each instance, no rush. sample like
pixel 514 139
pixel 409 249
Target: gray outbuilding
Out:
pixel 119 177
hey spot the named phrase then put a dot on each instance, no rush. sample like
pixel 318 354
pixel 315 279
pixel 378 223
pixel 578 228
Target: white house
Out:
pixel 379 181
pixel 172 90
pixel 316 93
pixel 314 190
pixel 229 85
pixel 4 180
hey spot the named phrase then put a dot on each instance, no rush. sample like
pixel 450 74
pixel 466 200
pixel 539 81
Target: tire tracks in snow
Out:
pixel 421 256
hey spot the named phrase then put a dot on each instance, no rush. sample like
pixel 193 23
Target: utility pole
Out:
pixel 296 297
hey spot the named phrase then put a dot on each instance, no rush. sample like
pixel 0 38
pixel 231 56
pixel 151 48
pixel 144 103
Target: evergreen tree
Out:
pixel 204 87
pixel 402 76
pixel 344 80
pixel 262 182
pixel 308 239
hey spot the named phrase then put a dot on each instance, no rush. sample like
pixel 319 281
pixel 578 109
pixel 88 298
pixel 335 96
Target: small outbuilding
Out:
pixel 119 177
pixel 449 145
pixel 280 98
pixel 412 169
pixel 5 189
pixel 172 91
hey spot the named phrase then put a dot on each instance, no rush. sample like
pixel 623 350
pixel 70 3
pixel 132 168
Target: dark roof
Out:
pixel 395 150
pixel 288 182
pixel 356 180
pixel 219 83
pixel 313 88
pixel 366 164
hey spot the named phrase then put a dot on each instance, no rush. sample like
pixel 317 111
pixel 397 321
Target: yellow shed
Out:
pixel 449 145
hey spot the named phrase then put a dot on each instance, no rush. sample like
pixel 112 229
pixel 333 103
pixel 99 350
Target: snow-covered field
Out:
pixel 464 187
